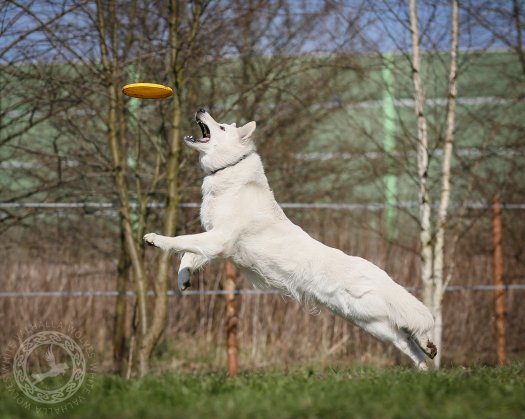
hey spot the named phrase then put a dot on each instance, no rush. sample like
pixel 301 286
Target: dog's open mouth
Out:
pixel 205 130
pixel 206 134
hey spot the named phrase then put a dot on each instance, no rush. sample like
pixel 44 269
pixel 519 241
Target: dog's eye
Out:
pixel 221 127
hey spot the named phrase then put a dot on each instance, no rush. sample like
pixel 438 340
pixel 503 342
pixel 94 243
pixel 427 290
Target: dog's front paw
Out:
pixel 162 242
pixel 150 239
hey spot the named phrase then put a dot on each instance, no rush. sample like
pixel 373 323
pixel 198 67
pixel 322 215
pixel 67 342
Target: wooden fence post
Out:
pixel 231 319
pixel 499 293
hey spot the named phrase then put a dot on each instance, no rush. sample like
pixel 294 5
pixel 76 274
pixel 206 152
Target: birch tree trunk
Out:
pixel 433 253
pixel 439 252
pixel 425 232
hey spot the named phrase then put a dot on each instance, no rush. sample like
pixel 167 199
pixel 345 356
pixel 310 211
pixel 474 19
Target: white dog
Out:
pixel 244 223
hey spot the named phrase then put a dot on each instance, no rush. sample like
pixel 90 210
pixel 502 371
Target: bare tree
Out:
pixel 181 50
pixel 433 250
pixel 27 104
pixel 110 67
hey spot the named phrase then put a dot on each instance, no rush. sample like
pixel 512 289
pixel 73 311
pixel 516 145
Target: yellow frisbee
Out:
pixel 147 90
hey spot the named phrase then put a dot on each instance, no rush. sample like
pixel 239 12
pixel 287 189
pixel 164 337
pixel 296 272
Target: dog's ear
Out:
pixel 247 130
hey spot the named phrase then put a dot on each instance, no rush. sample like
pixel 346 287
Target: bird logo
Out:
pixel 54 368
pixel 49 346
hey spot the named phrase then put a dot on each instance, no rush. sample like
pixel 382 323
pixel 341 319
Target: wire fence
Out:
pixel 290 205
pixel 176 293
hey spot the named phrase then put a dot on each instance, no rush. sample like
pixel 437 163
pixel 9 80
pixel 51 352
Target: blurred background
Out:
pixel 86 171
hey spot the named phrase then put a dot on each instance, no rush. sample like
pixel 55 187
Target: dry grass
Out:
pixel 273 331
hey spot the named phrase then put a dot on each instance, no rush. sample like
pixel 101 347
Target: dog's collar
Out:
pixel 232 164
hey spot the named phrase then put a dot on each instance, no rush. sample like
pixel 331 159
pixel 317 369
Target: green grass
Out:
pixel 398 392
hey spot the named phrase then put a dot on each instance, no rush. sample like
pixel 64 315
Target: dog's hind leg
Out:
pixel 190 262
pixel 421 354
pixel 385 331
pixel 406 345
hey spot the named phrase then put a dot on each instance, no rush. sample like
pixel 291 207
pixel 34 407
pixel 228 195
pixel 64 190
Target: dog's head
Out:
pixel 221 144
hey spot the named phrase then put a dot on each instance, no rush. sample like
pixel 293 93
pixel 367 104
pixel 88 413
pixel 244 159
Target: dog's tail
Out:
pixel 413 317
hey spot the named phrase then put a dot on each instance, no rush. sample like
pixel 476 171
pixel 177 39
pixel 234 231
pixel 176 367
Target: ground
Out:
pixel 398 392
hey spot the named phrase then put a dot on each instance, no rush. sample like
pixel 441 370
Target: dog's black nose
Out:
pixel 201 110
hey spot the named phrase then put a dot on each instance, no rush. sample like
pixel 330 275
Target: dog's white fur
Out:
pixel 244 223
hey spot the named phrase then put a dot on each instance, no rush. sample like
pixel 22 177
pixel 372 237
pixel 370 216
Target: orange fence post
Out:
pixel 499 293
pixel 231 319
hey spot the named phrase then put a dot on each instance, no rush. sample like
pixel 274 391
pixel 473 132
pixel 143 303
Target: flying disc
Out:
pixel 147 90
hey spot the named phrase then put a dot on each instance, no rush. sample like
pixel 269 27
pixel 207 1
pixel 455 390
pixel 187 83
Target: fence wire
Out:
pixel 176 293
pixel 291 205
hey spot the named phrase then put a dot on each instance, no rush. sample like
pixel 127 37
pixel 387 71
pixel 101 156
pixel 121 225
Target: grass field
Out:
pixel 398 392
